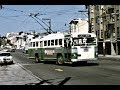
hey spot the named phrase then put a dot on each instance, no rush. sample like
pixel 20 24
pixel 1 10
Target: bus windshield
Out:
pixel 83 41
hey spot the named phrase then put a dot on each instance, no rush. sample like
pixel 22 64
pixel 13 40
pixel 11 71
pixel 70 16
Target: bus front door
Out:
pixel 67 48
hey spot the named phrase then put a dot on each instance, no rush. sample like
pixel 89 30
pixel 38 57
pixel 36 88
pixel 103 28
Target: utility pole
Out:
pixel 103 16
pixel 0 35
pixel 116 35
pixel 89 24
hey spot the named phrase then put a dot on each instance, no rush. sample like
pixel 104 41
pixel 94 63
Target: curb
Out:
pixel 29 72
pixel 109 58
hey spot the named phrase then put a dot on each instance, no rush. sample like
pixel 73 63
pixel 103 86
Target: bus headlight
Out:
pixel 74 55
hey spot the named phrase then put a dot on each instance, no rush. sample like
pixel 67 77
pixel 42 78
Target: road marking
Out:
pixel 59 70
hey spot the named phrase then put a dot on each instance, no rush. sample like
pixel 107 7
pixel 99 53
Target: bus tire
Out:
pixel 60 60
pixel 37 60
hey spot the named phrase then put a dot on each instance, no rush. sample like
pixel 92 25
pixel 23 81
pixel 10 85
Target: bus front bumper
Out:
pixel 90 59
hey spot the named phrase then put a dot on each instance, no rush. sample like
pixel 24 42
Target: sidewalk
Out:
pixel 15 74
pixel 111 57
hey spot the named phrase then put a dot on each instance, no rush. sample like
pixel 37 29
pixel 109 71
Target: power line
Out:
pixel 46 24
pixel 10 19
pixel 39 23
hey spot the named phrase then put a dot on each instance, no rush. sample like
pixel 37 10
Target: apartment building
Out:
pixel 104 21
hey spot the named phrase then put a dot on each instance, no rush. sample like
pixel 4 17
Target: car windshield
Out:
pixel 5 54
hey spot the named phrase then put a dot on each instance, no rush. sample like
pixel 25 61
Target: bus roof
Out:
pixel 53 36
pixel 58 35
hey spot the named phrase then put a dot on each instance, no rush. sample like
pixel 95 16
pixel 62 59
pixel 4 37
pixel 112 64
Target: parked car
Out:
pixel 5 50
pixel 11 50
pixel 6 58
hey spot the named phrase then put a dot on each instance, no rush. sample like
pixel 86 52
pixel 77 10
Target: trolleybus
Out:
pixel 64 48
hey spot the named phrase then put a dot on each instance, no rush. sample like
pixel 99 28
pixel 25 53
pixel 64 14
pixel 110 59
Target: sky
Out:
pixel 16 18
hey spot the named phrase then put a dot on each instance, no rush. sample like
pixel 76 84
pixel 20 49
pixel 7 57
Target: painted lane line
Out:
pixel 58 69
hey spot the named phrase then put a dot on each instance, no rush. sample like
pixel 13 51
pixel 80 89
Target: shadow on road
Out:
pixel 84 64
pixel 74 64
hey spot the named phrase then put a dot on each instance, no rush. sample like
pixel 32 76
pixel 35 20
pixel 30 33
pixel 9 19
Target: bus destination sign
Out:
pixel 84 35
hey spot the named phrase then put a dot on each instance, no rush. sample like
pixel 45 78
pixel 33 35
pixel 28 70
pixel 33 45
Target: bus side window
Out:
pixel 45 43
pixel 36 44
pixel 48 42
pixel 41 44
pixel 80 41
pixel 56 41
pixel 30 44
pixel 33 44
pixel 65 43
pixel 52 42
pixel 60 41
pixel 69 43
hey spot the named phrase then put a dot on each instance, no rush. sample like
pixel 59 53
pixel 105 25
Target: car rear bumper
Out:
pixel 6 62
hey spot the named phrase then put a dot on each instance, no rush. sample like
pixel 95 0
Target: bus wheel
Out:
pixel 60 60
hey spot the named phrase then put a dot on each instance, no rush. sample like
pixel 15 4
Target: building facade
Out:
pixel 104 21
pixel 78 25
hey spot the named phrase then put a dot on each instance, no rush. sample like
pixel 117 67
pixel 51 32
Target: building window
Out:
pixel 118 32
pixel 113 19
pixel 113 33
pixel 111 10
pixel 96 19
pixel 92 11
pixel 92 20
pixel 101 7
pixel 101 33
pixel 96 32
pixel 97 7
pixel 117 16
pixel 117 11
pixel 113 30
pixel 75 28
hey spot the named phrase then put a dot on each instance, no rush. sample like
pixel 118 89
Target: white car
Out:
pixel 5 58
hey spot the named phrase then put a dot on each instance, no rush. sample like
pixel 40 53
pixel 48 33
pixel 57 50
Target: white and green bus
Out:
pixel 64 48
